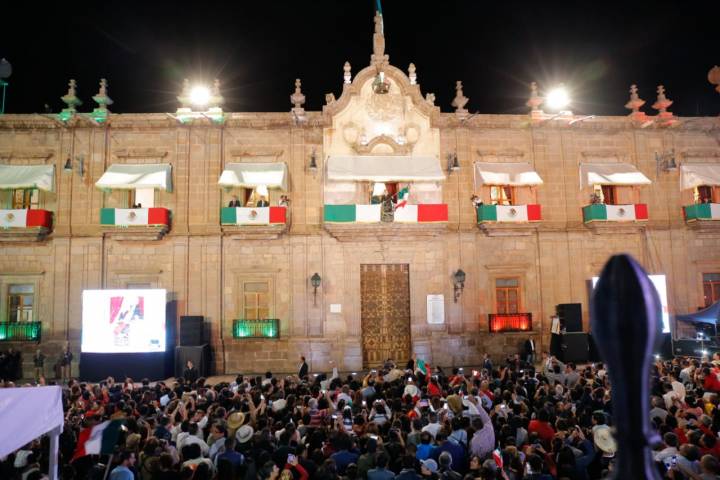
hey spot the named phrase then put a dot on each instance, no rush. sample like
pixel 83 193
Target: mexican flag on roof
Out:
pixel 98 440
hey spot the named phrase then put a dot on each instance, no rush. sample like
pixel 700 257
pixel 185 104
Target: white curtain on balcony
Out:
pixel 41 177
pixel 695 174
pixel 611 174
pixel 129 177
pixel 384 169
pixel 513 174
pixel 254 175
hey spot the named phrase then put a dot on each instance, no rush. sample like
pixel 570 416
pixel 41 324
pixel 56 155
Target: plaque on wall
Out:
pixel 436 309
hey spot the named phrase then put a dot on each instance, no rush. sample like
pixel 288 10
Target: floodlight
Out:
pixel 557 98
pixel 200 96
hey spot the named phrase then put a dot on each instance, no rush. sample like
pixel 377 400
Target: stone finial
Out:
pixel 70 98
pixel 635 101
pixel 297 98
pixel 378 57
pixel 662 103
pixel 535 99
pixel 460 100
pixel 714 77
pixel 102 98
pixel 626 313
pixel 329 98
pixel 430 98
pixel 347 73
pixel 184 97
pixel 216 98
pixel 411 74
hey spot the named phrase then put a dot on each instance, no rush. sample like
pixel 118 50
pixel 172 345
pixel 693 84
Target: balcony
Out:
pixel 510 322
pixel 615 218
pixel 254 222
pixel 248 329
pixel 20 331
pixel 702 215
pixel 135 223
pixel 364 222
pixel 25 224
pixel 508 220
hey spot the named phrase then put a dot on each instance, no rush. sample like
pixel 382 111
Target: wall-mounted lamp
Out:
pixel 666 161
pixel 458 283
pixel 315 282
pixel 81 166
pixel 453 163
pixel 313 164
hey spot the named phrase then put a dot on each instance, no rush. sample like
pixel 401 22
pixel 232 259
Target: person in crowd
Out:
pixel 66 358
pixel 304 369
pixel 39 364
pixel 123 470
pixel 190 374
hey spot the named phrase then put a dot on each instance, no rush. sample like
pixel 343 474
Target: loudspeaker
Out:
pixel 191 331
pixel 593 353
pixel 570 315
pixel 575 347
pixel 556 345
pixel 199 355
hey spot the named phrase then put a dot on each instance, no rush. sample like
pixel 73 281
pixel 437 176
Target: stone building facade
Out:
pixel 207 266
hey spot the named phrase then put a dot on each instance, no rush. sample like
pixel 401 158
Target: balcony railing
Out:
pixel 266 328
pixel 25 219
pixel 423 213
pixel 702 211
pixel 599 212
pixel 510 322
pixel 509 213
pixel 253 216
pixel 20 331
pixel 135 217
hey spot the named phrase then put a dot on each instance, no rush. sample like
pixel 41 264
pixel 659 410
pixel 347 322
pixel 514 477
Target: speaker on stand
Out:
pixel 570 315
pixel 192 330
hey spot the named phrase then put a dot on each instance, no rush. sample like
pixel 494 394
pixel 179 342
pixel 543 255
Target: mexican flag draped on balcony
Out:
pixel 24 218
pixel 616 213
pixel 424 213
pixel 253 215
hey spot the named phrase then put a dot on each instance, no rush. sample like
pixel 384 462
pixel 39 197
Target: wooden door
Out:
pixel 385 313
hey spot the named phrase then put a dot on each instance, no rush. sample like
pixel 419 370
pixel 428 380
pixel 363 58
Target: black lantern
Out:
pixel 458 283
pixel 313 168
pixel 315 282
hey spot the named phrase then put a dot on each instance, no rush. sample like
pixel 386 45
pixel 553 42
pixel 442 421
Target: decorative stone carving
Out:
pixel 102 98
pixel 535 99
pixel 430 98
pixel 378 57
pixel 412 75
pixel 661 105
pixel 70 98
pixel 347 75
pixel 298 99
pixel 385 107
pixel 714 77
pixel 391 145
pixel 460 100
pixel 329 98
pixel 634 104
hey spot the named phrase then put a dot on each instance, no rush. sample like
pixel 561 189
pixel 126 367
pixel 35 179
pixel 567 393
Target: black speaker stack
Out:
pixel 570 315
pixel 573 345
pixel 192 345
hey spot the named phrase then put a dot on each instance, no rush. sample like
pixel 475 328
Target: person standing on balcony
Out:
pixel 234 203
pixel 66 362
pixel 39 363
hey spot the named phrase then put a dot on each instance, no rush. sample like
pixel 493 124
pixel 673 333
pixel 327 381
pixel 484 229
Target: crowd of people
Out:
pixel 513 420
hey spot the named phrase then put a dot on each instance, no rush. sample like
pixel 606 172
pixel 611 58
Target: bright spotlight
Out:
pixel 558 98
pixel 200 96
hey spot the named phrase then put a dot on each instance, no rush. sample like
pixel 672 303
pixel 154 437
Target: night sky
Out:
pixel 258 48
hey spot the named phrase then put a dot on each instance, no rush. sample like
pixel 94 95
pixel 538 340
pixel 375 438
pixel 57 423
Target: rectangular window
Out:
pixel 25 198
pixel 707 194
pixel 711 288
pixel 501 195
pixel 256 300
pixel 507 295
pixel 608 194
pixel 20 303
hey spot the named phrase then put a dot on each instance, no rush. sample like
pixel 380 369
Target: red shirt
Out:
pixel 544 430
pixel 433 390
pixel 711 383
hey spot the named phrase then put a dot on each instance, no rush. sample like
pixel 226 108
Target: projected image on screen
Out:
pixel 123 321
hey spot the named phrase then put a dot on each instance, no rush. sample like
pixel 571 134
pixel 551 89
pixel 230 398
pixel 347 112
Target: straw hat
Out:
pixel 234 421
pixel 455 403
pixel 244 434
pixel 604 440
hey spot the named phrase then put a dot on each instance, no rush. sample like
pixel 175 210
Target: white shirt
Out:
pixel 679 388
pixel 431 428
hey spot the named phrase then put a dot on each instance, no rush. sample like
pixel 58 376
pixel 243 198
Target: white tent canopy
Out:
pixel 41 177
pixel 514 174
pixel 253 175
pixel 695 174
pixel 611 174
pixel 384 169
pixel 29 413
pixel 132 176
